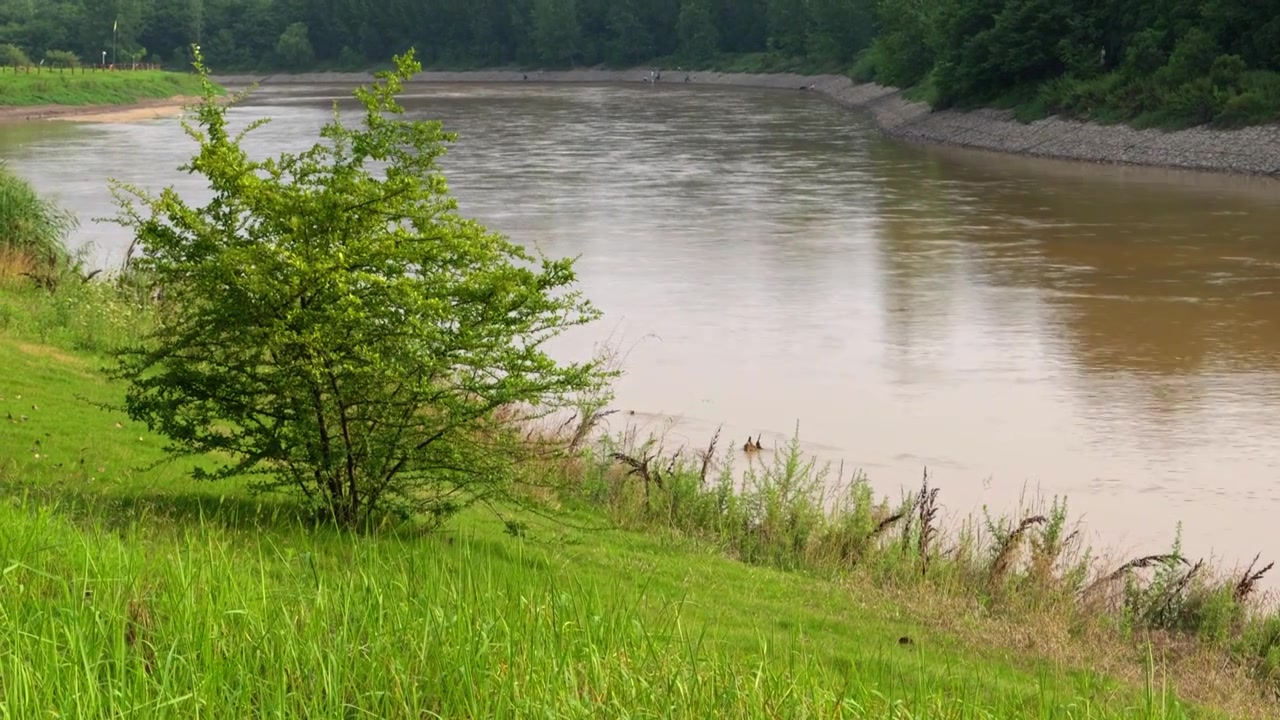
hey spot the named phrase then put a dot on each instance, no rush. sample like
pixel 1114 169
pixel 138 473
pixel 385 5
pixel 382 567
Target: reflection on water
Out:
pixel 766 258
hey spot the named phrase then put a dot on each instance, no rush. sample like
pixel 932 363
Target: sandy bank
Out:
pixel 133 112
pixel 1254 151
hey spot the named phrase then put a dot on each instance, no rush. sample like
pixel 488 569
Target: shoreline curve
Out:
pixel 128 112
pixel 145 109
pixel 1246 151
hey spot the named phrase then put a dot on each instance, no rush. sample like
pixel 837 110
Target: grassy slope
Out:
pixel 93 88
pixel 127 587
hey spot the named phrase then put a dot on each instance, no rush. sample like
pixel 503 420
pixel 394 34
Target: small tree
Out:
pixel 62 58
pixel 343 333
pixel 294 47
pixel 11 54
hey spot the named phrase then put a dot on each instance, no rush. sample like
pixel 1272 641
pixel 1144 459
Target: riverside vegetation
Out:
pixel 1169 64
pixel 53 87
pixel 569 572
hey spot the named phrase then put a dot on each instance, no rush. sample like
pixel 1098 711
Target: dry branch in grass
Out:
pixel 1245 586
pixel 886 523
pixel 137 631
pixel 708 455
pixel 1009 548
pixel 927 509
pixel 15 263
pixel 1179 586
pixel 589 422
pixel 1166 559
pixel 646 469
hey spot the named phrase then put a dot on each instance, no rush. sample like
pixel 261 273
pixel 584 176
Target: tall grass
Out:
pixel 783 510
pixel 160 620
pixel 93 317
pixel 32 229
pixel 48 296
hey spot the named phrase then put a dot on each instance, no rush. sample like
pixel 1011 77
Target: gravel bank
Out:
pixel 1253 151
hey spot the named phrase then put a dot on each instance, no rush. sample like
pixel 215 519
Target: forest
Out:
pixel 1149 62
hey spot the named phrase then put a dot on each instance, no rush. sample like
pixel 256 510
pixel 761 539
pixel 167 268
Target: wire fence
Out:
pixel 77 70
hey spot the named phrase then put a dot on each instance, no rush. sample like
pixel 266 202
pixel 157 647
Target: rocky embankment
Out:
pixel 1254 150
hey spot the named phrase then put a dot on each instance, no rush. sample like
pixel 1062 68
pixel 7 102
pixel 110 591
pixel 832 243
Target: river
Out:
pixel 765 258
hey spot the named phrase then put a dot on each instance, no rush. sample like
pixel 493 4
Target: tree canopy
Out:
pixel 1170 63
pixel 285 34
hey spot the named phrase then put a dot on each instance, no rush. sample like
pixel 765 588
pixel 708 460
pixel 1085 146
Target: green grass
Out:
pixel 54 87
pixel 129 589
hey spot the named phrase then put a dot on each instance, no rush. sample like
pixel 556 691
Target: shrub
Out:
pixel 31 225
pixel 62 58
pixel 342 334
pixel 13 55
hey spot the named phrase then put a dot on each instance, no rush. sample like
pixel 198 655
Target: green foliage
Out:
pixel 787 22
pixel 244 35
pixel 557 34
pixel 630 39
pixel 900 55
pixel 1144 55
pixel 11 54
pixel 341 333
pixel 68 311
pixel 838 31
pixel 32 226
pixel 62 58
pixel 350 59
pixel 699 40
pixel 64 87
pixel 982 57
pixel 1169 65
pixel 231 612
pixel 1104 60
pixel 294 47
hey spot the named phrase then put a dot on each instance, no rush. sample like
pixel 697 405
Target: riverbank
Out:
pixel 130 112
pixel 612 575
pixel 1251 151
pixel 187 593
pixel 95 95
pixel 93 87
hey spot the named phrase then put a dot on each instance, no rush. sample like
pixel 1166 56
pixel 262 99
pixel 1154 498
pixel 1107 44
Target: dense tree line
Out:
pixel 1165 61
pixel 297 34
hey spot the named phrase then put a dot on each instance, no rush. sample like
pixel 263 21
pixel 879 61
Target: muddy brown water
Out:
pixel 765 258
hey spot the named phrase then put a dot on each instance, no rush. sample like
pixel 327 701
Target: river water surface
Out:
pixel 766 258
